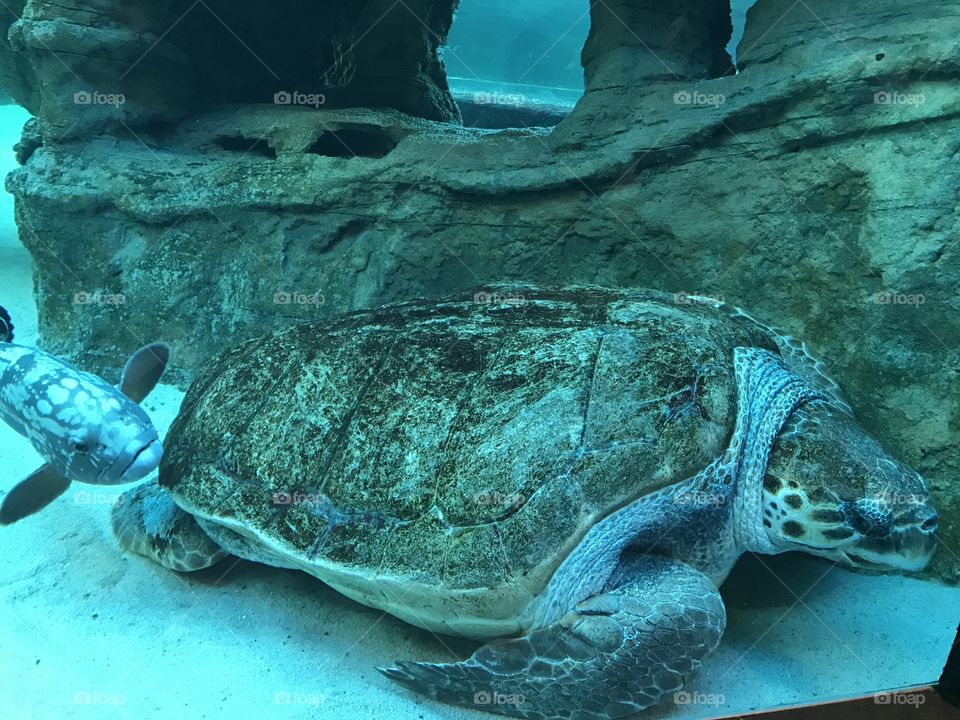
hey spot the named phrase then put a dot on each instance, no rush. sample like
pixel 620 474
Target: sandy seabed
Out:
pixel 87 631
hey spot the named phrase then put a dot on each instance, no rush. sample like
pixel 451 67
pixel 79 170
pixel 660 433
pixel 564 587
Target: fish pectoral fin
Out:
pixel 144 370
pixel 33 494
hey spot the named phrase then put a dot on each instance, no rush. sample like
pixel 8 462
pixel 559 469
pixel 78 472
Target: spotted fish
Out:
pixel 84 428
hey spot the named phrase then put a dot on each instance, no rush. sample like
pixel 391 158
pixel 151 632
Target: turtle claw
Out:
pixel 425 678
pixel 466 683
pixel 398 674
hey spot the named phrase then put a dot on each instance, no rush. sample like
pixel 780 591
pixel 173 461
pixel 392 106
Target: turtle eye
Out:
pixel 867 519
pixel 81 447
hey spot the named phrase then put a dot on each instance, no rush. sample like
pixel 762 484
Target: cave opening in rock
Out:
pixel 351 143
pixel 515 64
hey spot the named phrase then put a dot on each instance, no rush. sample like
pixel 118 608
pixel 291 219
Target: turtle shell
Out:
pixel 438 459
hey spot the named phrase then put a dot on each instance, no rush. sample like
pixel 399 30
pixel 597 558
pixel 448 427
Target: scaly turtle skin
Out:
pixel 567 477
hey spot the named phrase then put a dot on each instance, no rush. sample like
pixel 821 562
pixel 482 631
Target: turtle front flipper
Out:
pixel 616 653
pixel 148 522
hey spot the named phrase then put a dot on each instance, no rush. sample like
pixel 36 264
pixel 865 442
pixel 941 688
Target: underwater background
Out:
pixel 204 173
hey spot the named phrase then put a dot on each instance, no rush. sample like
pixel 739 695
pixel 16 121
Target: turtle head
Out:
pixel 831 490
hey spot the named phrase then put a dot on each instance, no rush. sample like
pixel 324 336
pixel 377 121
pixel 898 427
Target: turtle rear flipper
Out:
pixel 146 521
pixel 614 654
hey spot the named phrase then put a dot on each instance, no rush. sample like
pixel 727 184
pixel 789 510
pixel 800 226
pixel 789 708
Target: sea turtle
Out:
pixel 566 475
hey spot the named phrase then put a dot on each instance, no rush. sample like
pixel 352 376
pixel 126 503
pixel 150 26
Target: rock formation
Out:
pixel 122 65
pixel 819 187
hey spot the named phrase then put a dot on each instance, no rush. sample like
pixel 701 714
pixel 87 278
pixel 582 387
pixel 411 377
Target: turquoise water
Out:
pixel 537 48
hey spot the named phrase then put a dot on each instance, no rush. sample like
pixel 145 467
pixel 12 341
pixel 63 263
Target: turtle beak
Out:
pixel 909 547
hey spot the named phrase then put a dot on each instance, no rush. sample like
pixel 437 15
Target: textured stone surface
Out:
pixel 793 189
pixel 654 41
pixel 84 67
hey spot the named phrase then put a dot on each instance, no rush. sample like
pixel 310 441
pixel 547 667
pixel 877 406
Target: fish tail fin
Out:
pixel 6 326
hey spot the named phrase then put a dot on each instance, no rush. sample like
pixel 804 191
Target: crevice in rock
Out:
pixel 351 143
pixel 350 230
pixel 813 142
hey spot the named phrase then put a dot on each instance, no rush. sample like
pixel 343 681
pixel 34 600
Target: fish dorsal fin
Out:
pixel 33 494
pixel 6 326
pixel 144 370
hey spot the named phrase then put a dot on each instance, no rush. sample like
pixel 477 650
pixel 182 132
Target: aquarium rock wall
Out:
pixel 179 184
pixel 134 65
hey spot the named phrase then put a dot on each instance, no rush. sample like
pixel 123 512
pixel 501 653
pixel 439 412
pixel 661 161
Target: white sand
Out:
pixel 87 631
